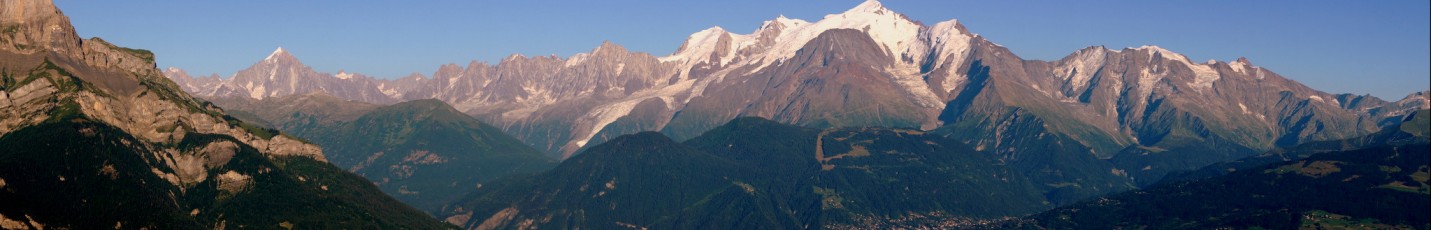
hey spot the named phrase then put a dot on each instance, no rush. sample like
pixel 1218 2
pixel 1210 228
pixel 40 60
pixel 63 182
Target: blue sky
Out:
pixel 1375 47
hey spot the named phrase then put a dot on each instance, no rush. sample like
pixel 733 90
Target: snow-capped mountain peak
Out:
pixel 779 38
pixel 895 33
pixel 711 45
pixel 278 53
pixel 779 23
pixel 869 6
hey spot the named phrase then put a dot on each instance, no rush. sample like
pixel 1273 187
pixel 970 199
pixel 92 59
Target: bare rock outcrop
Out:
pixel 55 73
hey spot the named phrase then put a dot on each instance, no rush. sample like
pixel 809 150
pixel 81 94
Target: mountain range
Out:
pixel 1097 121
pixel 862 119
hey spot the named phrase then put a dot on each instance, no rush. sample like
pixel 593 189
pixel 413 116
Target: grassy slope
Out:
pixel 423 152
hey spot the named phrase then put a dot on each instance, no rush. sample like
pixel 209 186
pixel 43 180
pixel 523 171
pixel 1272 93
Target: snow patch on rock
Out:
pixel 1146 79
pixel 576 59
pixel 953 44
pixel 1204 75
pixel 1238 66
pixel 390 91
pixel 273 57
pixel 604 116
pixel 257 92
pixel 1079 70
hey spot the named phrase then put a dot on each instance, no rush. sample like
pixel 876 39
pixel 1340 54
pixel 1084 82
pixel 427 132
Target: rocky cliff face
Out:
pixel 104 121
pixel 53 71
pixel 37 26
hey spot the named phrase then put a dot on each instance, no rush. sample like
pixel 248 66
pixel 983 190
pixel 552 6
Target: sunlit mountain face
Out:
pixel 92 135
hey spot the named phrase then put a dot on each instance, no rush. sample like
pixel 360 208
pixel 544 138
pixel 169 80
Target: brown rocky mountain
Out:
pixel 127 91
pixel 1130 115
pixel 92 135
